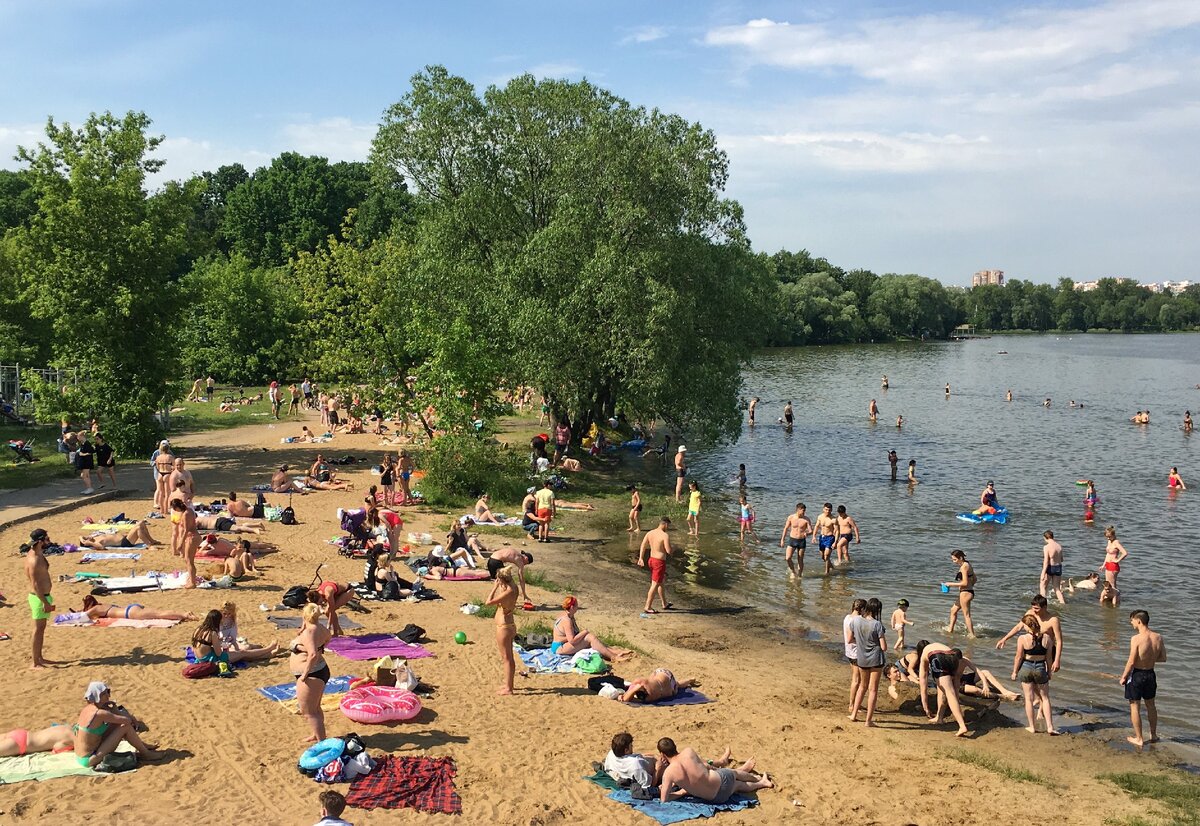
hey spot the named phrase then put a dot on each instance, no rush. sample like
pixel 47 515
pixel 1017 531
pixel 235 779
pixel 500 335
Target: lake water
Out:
pixel 1034 455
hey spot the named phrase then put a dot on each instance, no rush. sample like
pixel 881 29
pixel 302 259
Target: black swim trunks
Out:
pixel 125 543
pixel 1141 685
pixel 493 566
pixel 224 523
pixel 942 665
pixel 796 542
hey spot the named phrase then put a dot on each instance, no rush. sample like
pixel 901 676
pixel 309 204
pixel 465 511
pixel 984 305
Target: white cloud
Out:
pixel 644 34
pixel 872 151
pixel 13 135
pixel 338 139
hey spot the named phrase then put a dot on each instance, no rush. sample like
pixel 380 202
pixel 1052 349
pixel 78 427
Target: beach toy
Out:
pixel 528 606
pixel 945 589
pixel 1000 517
pixel 315 757
pixel 460 637
pixel 1081 482
pixel 380 704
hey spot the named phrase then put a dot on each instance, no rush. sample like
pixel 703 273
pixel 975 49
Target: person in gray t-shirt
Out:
pixel 869 639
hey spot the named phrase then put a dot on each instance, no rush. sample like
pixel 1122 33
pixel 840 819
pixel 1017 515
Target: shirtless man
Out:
pixel 1146 648
pixel 212 522
pixel 506 556
pixel 1052 565
pixel 753 407
pixel 1038 606
pixel 787 415
pixel 282 483
pixel 41 604
pixel 893 460
pixel 660 685
pixel 239 507
pixel 187 490
pixel 658 543
pixel 680 471
pixel 139 534
pixel 847 529
pixel 684 773
pixel 825 532
pixel 873 411
pixel 795 534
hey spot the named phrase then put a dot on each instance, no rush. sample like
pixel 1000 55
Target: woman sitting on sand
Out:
pixel 139 534
pixel 239 556
pixel 386 582
pixel 282 483
pixel 660 685
pixel 19 742
pixel 569 639
pixel 460 546
pixel 95 610
pixel 483 512
pixel 208 648
pixel 307 664
pixel 101 728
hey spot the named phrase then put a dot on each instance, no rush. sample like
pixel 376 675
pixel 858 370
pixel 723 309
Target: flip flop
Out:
pixel 648 612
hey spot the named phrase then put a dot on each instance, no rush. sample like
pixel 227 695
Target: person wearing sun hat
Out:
pixel 680 471
pixel 41 604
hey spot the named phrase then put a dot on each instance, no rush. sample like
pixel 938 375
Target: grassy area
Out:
pixel 50 465
pixel 536 627
pixel 485 611
pixel 193 417
pixel 540 580
pixel 984 761
pixel 614 639
pixel 1179 793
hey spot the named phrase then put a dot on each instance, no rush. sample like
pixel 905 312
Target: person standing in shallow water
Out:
pixel 964 581
pixel 893 460
pixel 680 471
pixel 1146 649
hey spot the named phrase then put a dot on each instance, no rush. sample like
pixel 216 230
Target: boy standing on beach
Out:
pixel 658 543
pixel 41 604
pixel 1146 648
pixel 899 620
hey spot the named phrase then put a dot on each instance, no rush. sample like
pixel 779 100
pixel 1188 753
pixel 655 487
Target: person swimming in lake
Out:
pixel 873 411
pixel 1175 481
pixel 1187 421
pixel 899 422
pixel 912 471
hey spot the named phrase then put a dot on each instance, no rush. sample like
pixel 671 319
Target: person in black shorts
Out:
pixel 84 460
pixel 1146 649
pixel 105 461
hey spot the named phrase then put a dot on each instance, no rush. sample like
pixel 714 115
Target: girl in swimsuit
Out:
pixel 307 663
pixel 332 596
pixel 1175 481
pixel 1114 552
pixel 964 581
pixel 387 480
pixel 208 647
pixel 568 639
pixel 504 597
pixel 133 611
pixel 100 729
pixel 185 538
pixel 1030 663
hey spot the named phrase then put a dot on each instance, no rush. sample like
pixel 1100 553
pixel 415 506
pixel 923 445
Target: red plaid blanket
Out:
pixel 422 783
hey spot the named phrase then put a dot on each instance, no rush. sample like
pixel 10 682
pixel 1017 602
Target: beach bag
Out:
pixel 296 596
pixel 405 678
pixel 197 671
pixel 123 761
pixel 288 516
pixel 592 665
pixel 411 634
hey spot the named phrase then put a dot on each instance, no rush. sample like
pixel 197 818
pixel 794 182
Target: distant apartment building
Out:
pixel 1169 286
pixel 1088 286
pixel 988 277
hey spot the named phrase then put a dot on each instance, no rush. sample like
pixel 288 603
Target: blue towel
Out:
pixel 687 808
pixel 543 662
pixel 101 556
pixel 686 697
pixel 287 691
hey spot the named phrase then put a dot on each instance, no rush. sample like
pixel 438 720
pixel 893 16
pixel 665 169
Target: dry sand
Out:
pixel 520 759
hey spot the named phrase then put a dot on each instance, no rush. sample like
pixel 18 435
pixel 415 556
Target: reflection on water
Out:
pixel 1034 454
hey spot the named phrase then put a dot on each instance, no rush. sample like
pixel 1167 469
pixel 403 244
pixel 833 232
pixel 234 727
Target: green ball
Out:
pixel 460 637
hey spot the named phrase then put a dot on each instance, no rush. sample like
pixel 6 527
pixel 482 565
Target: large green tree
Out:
pixel 95 262
pixel 586 239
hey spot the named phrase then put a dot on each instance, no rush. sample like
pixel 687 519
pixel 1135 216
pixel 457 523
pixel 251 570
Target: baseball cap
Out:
pixel 903 603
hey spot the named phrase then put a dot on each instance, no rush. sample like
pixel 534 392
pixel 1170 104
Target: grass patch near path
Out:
pixel 1178 792
pixel 537 627
pixel 540 580
pixel 984 761
pixel 614 639
pixel 50 465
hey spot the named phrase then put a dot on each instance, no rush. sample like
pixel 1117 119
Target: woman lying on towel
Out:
pixel 568 639
pixel 57 738
pixel 96 611
pixel 660 685
pixel 139 534
pixel 208 648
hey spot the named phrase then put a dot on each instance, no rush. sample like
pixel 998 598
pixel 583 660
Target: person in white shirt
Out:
pixel 622 764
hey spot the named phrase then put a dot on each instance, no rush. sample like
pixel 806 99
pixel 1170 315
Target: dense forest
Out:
pixel 545 234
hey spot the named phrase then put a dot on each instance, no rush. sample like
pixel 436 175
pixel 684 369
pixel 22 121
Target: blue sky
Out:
pixel 1050 139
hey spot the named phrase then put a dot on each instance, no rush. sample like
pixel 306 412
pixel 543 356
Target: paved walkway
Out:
pixel 25 504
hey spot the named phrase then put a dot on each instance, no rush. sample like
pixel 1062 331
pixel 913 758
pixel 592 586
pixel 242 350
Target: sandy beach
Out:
pixel 521 760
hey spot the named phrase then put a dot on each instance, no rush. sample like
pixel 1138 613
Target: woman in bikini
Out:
pixel 332 596
pixel 136 611
pixel 964 581
pixel 19 742
pixel 387 480
pixel 1031 667
pixel 1114 553
pixel 100 729
pixel 185 538
pixel 568 639
pixel 307 663
pixel 504 597
pixel 208 647
pixel 164 466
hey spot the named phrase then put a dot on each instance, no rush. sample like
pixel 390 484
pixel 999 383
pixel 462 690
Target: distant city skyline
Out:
pixel 940 137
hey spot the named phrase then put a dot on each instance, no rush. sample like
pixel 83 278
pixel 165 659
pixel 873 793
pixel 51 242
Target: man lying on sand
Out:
pixel 660 685
pixel 684 773
pixel 139 534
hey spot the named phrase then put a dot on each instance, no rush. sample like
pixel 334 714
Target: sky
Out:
pixel 1048 140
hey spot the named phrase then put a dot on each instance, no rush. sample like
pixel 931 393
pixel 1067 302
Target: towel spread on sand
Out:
pixel 543 662
pixel 422 783
pixel 122 622
pixel 505 521
pixel 287 691
pixel 685 808
pixel 150 582
pixel 686 697
pixel 45 766
pixel 374 646
pixel 295 622
pixel 102 556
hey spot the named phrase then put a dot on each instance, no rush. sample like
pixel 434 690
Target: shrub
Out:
pixel 461 467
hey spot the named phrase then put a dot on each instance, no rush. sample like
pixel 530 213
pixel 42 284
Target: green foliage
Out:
pixel 539 579
pixel 18 200
pixel 985 761
pixel 461 467
pixel 95 263
pixel 485 611
pixel 1178 792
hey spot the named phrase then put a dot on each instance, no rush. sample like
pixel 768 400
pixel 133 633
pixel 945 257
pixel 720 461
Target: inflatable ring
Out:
pixel 323 753
pixel 380 704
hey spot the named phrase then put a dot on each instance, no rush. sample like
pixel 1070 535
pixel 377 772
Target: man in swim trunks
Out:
pixel 684 773
pixel 186 490
pixel 826 533
pixel 752 408
pixel 41 604
pixel 139 534
pixel 873 411
pixel 658 543
pixel 1052 565
pixel 794 537
pixel 893 460
pixel 787 415
pixel 680 471
pixel 506 556
pixel 1146 649
pixel 1039 607
pixel 228 524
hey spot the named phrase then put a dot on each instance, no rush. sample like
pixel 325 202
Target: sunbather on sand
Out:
pixel 57 738
pixel 139 534
pixel 684 773
pixel 95 610
pixel 232 524
pixel 282 483
pixel 569 639
pixel 660 685
pixel 316 484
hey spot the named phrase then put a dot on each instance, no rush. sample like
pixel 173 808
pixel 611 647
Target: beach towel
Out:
pixel 294 622
pixel 505 521
pixel 99 556
pixel 465 575
pixel 374 646
pixel 287 691
pixel 543 662
pixel 152 581
pixel 422 783
pixel 46 766
pixel 604 780
pixel 685 808
pixel 122 622
pixel 126 523
pixel 686 697
pixel 264 488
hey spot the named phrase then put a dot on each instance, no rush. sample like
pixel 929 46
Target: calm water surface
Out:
pixel 1034 455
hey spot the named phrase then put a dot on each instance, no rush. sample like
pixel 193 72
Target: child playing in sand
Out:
pixel 746 520
pixel 899 620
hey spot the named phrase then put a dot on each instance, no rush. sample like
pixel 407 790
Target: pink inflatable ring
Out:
pixel 380 704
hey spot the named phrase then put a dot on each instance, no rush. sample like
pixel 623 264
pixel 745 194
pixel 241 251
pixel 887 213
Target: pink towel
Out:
pixel 374 646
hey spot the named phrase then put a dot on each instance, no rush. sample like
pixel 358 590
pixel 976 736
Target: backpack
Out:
pixel 411 634
pixel 196 671
pixel 288 516
pixel 296 596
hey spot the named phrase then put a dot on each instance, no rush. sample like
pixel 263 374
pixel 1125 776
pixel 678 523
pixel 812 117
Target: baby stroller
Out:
pixel 22 449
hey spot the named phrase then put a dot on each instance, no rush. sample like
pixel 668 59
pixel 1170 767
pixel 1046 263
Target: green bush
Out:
pixel 461 467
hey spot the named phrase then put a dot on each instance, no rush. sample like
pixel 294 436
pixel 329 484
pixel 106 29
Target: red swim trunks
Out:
pixel 544 514
pixel 658 570
pixel 1111 566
